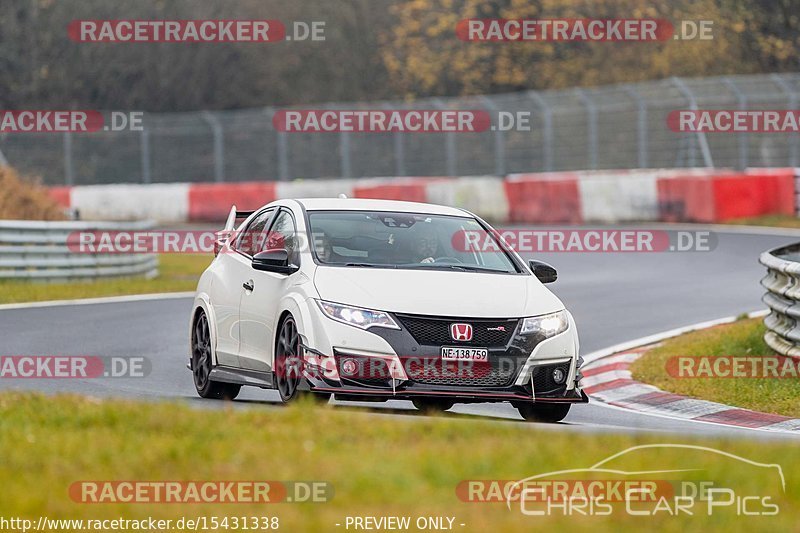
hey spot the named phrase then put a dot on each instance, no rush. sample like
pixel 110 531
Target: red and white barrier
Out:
pixel 408 189
pixel 211 202
pixel 620 196
pixel 546 198
pixel 679 195
pixel 164 202
pixel 482 195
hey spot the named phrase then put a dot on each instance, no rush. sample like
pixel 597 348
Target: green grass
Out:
pixel 744 337
pixel 177 272
pixel 777 221
pixel 377 464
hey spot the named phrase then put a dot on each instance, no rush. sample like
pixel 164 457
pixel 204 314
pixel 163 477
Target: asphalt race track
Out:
pixel 615 297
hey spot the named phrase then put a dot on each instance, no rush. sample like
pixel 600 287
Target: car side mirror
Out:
pixel 274 261
pixel 543 272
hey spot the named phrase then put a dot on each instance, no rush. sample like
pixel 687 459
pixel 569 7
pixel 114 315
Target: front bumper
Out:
pixel 520 367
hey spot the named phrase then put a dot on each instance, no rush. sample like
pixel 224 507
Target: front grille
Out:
pixel 543 379
pixel 438 372
pixel 435 331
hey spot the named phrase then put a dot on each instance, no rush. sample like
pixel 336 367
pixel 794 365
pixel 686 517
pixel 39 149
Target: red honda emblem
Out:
pixel 461 332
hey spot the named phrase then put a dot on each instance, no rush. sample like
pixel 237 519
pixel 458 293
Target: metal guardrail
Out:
pixel 37 250
pixel 783 299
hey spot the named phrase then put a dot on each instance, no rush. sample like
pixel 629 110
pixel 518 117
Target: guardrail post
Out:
pixel 787 89
pixel 701 136
pixel 742 138
pixel 219 147
pixel 450 144
pixel 499 139
pixel 69 172
pixel 641 125
pixel 591 126
pixel 144 139
pixel 281 147
pixel 399 147
pixel 547 137
pixel 344 154
pixel 399 154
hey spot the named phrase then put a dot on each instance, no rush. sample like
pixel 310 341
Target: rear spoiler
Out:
pixel 230 225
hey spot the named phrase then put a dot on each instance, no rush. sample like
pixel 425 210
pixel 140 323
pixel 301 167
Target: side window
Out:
pixel 251 240
pixel 283 235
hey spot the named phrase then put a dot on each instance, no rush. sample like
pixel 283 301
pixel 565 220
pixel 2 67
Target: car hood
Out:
pixel 433 292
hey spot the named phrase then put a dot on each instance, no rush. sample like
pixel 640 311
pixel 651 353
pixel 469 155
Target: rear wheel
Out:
pixel 552 412
pixel 202 363
pixel 433 405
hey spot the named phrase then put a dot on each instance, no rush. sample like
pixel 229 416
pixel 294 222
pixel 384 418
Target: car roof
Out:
pixel 368 204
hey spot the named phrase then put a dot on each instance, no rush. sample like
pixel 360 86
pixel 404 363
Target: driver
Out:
pixel 323 247
pixel 426 245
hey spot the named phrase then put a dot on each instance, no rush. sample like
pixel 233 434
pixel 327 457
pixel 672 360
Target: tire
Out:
pixel 555 412
pixel 432 405
pixel 202 363
pixel 288 361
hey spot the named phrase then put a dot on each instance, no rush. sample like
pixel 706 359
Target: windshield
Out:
pixel 402 240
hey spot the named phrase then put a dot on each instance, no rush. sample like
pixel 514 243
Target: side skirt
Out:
pixel 240 376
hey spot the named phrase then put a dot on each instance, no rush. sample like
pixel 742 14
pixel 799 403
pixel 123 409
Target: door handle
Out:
pixel 248 285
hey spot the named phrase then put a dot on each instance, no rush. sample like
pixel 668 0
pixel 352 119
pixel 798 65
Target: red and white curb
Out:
pixel 607 378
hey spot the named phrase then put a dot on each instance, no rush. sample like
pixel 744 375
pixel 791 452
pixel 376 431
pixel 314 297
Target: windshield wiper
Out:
pixel 465 268
pixel 374 265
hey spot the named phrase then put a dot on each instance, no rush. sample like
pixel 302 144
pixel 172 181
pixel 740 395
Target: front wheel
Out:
pixel 553 412
pixel 202 364
pixel 289 361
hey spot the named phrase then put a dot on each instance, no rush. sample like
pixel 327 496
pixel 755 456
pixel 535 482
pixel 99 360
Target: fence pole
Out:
pixel 641 125
pixel 344 155
pixel 591 126
pixel 547 137
pixel 741 139
pixel 144 139
pixel 701 136
pixel 786 88
pixel 399 148
pixel 219 147
pixel 69 172
pixel 499 139
pixel 450 143
pixel 281 147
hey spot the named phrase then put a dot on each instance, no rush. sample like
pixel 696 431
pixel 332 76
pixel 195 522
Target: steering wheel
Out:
pixel 447 259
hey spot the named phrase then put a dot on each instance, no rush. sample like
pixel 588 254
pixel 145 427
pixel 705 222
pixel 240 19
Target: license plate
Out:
pixel 453 353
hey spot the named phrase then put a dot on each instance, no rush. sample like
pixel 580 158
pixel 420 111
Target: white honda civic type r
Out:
pixel 372 300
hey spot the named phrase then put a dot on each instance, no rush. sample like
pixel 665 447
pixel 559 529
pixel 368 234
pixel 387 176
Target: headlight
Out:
pixel 546 325
pixel 357 316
